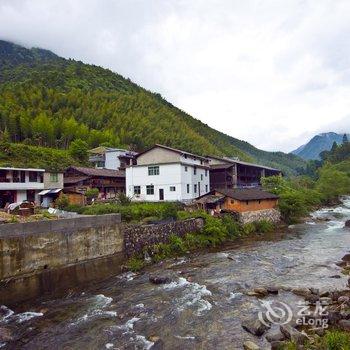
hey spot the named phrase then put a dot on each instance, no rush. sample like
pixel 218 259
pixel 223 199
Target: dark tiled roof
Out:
pixel 172 149
pixel 246 194
pixel 98 172
pixel 74 179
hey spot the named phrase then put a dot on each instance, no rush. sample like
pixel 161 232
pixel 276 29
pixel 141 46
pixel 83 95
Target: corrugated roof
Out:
pixel 99 172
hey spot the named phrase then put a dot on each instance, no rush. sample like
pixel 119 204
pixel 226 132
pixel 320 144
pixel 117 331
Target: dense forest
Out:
pixel 49 101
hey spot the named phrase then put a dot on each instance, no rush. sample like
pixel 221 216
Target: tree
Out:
pixel 78 150
pixel 345 139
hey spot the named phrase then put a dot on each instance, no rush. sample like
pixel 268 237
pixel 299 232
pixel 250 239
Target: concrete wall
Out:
pixel 45 256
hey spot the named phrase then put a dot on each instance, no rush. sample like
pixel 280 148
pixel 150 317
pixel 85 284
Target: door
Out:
pixel 161 194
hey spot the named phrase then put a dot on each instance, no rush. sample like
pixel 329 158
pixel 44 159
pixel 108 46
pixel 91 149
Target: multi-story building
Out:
pixel 110 158
pixel 167 174
pixel 26 184
pixel 227 173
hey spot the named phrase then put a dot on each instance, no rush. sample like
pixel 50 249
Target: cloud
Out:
pixel 272 73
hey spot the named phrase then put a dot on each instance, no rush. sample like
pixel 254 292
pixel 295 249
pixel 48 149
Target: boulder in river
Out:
pixel 347 223
pixel 249 345
pixel 293 334
pixel 301 291
pixel 261 291
pixel 277 345
pixel 272 290
pixel 254 326
pixel 346 257
pixel 274 335
pixel 159 279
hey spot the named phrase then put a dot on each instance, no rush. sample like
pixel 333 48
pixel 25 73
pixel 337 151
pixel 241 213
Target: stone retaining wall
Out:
pixel 272 215
pixel 136 237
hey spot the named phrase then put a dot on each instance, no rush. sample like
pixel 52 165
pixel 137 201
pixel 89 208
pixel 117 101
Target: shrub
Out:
pixel 176 244
pixel 62 202
pixel 336 340
pixel 135 263
pixel 264 226
pixel 249 228
pixel 76 208
pixel 123 199
pixel 233 228
pixel 91 193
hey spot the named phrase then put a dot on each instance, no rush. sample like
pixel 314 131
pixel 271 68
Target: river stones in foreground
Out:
pixel 345 325
pixel 159 279
pixel 303 292
pixel 293 334
pixel 249 345
pixel 254 326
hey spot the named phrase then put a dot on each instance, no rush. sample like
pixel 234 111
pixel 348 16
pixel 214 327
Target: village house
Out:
pixel 167 174
pixel 229 173
pixel 110 158
pixel 77 180
pixel 247 204
pixel 26 184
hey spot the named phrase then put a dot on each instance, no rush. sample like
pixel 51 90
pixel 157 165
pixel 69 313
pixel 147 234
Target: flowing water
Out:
pixel 203 306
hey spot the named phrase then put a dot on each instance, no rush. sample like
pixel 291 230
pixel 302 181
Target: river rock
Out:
pixel 272 290
pixel 249 345
pixel 346 258
pixel 261 291
pixel 301 291
pixel 335 276
pixel 293 334
pixel 345 325
pixel 347 223
pixel 274 335
pixel 5 334
pixel 254 326
pixel 159 279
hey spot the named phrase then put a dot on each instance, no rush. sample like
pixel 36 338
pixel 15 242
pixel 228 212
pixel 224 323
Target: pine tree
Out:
pixel 345 138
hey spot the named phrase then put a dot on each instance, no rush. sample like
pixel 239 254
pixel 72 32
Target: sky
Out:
pixel 271 72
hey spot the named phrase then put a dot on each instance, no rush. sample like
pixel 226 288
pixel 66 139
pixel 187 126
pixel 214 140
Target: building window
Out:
pixel 172 188
pixel 206 188
pixel 201 177
pixel 246 202
pixel 137 190
pixel 195 188
pixel 53 177
pixel 232 201
pixel 33 176
pixel 153 170
pixel 188 188
pixel 259 201
pixel 150 189
pixel 206 172
pixel 186 168
pixel 195 171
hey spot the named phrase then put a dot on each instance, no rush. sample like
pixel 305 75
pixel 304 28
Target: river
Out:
pixel 203 306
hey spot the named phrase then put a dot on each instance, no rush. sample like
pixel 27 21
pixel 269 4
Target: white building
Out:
pixel 26 184
pixel 110 158
pixel 164 173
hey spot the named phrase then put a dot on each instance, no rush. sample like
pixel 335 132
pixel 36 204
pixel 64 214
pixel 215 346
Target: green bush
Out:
pixel 76 208
pixel 62 202
pixel 177 245
pixel 92 193
pixel 336 340
pixel 233 227
pixel 264 226
pixel 215 229
pixel 249 228
pixel 135 263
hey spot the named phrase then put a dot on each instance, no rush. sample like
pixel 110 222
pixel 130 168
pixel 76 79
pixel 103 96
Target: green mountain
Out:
pixel 318 144
pixel 49 101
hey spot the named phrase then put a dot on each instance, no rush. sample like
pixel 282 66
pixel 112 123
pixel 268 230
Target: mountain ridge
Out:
pixel 317 144
pixel 40 91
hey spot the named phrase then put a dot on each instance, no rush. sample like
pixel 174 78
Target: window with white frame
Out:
pixel 172 188
pixel 137 190
pixel 186 168
pixel 206 188
pixel 194 170
pixel 153 170
pixel 188 188
pixel 195 188
pixel 150 189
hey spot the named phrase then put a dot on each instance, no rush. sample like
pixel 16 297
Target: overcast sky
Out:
pixel 273 73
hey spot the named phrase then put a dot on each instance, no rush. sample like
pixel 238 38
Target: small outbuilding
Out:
pixel 247 204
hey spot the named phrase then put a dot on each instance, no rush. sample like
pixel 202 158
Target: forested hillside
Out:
pixel 50 101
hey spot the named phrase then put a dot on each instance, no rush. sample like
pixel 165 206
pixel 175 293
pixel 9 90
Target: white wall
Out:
pixel 111 160
pixel 169 175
